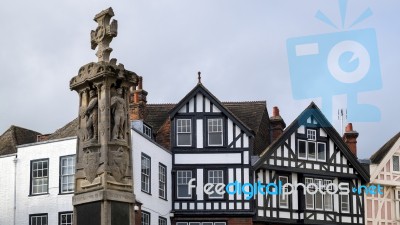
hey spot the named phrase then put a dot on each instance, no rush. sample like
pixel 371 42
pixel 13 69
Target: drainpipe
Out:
pixel 15 160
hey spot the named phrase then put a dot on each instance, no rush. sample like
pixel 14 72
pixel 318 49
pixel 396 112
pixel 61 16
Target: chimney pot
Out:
pixel 277 124
pixel 140 83
pixel 275 111
pixel 349 127
pixel 350 138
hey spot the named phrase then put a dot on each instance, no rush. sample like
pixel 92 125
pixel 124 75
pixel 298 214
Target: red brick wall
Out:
pixel 163 136
pixel 240 221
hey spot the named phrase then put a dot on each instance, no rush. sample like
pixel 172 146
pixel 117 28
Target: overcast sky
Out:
pixel 239 46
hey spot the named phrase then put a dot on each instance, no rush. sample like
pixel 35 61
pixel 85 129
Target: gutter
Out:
pixel 15 160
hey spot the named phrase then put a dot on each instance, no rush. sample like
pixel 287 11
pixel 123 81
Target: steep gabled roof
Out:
pixel 313 110
pixel 157 114
pixel 69 130
pixel 14 136
pixel 199 88
pixel 253 114
pixel 377 157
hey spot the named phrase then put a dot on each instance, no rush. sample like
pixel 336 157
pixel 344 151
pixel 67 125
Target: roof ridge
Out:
pixel 384 148
pixel 250 101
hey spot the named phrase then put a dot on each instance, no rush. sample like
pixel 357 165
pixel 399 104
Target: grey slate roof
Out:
pixel 377 157
pixel 14 136
pixel 69 130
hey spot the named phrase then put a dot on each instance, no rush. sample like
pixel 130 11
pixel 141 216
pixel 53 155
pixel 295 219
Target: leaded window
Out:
pixel 396 164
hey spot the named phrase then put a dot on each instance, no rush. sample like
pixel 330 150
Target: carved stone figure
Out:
pixel 118 163
pixel 91 116
pixel 118 108
pixel 91 162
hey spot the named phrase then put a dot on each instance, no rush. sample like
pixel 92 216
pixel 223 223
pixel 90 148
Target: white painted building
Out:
pixel 7 190
pixel 41 168
pixel 153 189
pixel 44 181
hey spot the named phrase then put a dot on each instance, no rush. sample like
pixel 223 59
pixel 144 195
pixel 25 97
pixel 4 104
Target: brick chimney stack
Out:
pixel 277 124
pixel 350 138
pixel 137 104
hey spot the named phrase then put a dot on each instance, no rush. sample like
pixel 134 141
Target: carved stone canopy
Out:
pixel 103 35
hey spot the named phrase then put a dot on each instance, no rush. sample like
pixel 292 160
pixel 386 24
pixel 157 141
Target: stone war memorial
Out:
pixel 103 176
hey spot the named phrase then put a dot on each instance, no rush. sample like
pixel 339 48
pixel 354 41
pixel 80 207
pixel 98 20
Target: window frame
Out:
pixel 160 165
pixel 160 218
pixel 322 184
pixel 346 196
pixel 324 144
pixel 178 185
pixel 46 215
pixel 143 155
pixel 65 213
pixel 32 178
pixel 341 203
pixel 61 175
pixel 208 181
pixel 208 130
pixel 311 133
pixel 282 197
pixel 398 159
pixel 181 132
pixel 307 150
pixel 147 131
pixel 147 214
pixel 397 202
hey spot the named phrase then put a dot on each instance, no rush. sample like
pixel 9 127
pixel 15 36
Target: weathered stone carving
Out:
pixel 91 164
pixel 91 114
pixel 104 162
pixel 104 34
pixel 118 163
pixel 118 113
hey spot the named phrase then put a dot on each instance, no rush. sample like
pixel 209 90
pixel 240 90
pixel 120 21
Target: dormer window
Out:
pixel 184 132
pixel 147 130
pixel 215 132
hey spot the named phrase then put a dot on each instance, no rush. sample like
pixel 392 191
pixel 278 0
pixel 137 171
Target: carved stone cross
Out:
pixel 104 34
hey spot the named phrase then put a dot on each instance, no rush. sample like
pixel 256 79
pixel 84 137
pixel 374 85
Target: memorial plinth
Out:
pixel 103 179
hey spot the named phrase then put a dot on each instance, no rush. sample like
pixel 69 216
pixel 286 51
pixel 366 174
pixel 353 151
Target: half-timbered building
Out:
pixel 212 144
pixel 310 151
pixel 384 209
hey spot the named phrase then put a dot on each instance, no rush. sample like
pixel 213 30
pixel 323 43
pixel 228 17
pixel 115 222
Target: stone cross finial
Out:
pixel 104 34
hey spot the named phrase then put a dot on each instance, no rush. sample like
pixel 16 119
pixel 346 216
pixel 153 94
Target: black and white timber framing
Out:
pixel 231 155
pixel 328 160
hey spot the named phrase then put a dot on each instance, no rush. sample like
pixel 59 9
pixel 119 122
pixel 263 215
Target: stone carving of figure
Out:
pixel 92 114
pixel 118 107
